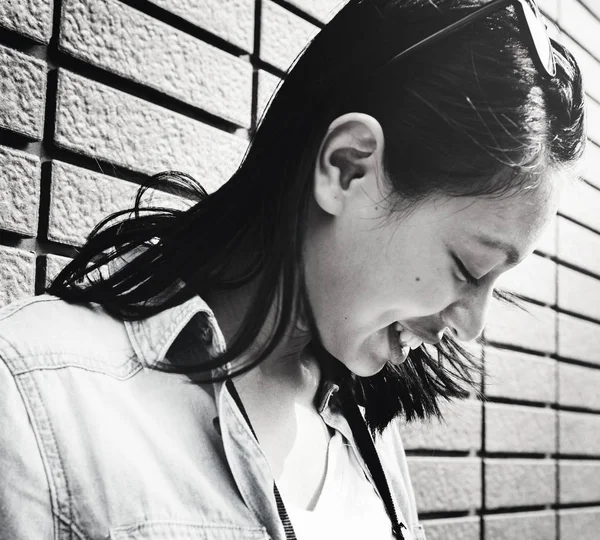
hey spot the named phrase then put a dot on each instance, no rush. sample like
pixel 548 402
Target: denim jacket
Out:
pixel 96 443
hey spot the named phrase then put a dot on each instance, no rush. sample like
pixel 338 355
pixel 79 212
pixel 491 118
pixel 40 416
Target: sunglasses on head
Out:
pixel 530 17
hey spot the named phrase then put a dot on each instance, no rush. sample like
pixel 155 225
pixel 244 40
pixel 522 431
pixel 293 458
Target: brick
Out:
pixel 547 242
pixel 324 10
pixel 267 84
pixel 115 37
pixel 284 35
pixel 17 274
pixel 514 428
pixel 23 90
pixel 592 6
pixel 107 124
pixel 54 264
pixel 578 293
pixel 20 188
pixel 579 524
pixel 593 120
pixel 590 68
pixel 578 339
pixel 581 202
pixel 534 278
pixel 579 433
pixel 233 20
pixel 549 8
pixel 579 386
pixel 579 482
pixel 526 525
pixel 442 529
pixel 460 429
pixel 533 329
pixel 79 199
pixel 591 163
pixel 446 484
pixel 519 482
pixel 578 23
pixel 578 245
pixel 30 18
pixel 519 376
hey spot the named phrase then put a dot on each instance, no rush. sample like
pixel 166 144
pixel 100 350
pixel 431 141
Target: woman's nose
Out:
pixel 467 316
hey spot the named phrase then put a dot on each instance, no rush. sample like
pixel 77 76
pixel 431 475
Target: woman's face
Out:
pixel 432 271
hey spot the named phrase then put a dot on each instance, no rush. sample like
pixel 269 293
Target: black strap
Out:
pixel 283 515
pixel 366 446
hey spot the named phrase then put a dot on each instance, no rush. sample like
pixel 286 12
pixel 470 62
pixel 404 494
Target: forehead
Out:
pixel 517 219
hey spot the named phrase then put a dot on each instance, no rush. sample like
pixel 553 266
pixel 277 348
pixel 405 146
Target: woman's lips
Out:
pixel 398 350
pixel 406 337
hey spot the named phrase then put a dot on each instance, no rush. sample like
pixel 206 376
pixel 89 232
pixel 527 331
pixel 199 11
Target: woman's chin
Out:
pixel 367 366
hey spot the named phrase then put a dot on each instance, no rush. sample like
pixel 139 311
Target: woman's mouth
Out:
pixel 402 341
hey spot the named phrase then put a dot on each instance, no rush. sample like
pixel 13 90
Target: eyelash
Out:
pixel 464 272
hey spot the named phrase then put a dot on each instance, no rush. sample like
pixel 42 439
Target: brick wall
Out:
pixel 98 94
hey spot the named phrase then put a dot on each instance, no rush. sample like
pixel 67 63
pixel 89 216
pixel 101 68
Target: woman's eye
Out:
pixel 463 273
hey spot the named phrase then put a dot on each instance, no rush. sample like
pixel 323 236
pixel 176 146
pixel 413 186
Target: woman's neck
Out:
pixel 290 368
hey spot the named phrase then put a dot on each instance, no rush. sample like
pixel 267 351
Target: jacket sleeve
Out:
pixel 25 503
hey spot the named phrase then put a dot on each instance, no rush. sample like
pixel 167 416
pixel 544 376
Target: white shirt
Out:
pixel 348 506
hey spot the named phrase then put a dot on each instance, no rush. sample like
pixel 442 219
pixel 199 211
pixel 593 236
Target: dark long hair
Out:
pixel 469 116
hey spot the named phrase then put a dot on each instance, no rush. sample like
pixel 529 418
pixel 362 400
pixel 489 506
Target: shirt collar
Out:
pixel 189 334
pixel 191 323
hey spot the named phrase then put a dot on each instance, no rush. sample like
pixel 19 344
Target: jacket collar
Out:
pixel 191 325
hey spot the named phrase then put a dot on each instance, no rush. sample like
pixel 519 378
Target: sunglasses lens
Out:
pixel 540 38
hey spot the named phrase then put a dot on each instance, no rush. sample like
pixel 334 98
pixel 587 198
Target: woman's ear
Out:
pixel 348 162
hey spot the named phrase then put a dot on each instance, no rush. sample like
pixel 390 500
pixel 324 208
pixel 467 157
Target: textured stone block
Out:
pixel 446 484
pixel 54 264
pixel 579 386
pixel 103 123
pixel 445 529
pixel 23 91
pixel 459 430
pixel 519 376
pixel 20 189
pixel 267 84
pixel 284 35
pixel 522 482
pixel 534 278
pixel 526 525
pixel 549 7
pixel 17 274
pixel 324 10
pixel 232 20
pixel 579 433
pixel 578 22
pixel 579 482
pixel 513 428
pixel 593 121
pixel 578 245
pixel 591 163
pixel 588 64
pixel 581 201
pixel 578 292
pixel 578 339
pixel 79 199
pixel 579 524
pixel 533 329
pixel 547 242
pixel 113 36
pixel 31 18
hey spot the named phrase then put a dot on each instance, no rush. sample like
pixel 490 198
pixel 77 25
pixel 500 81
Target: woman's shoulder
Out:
pixel 45 332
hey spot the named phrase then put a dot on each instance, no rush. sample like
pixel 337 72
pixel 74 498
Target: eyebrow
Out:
pixel 511 252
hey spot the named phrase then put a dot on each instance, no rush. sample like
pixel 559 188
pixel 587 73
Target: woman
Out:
pixel 199 374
